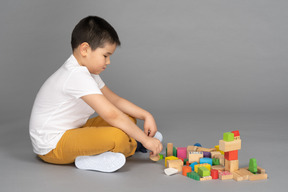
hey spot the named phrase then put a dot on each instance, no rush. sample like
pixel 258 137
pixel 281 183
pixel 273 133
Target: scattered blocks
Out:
pixel 220 162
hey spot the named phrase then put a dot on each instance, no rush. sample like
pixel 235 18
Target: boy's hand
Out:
pixel 150 127
pixel 154 145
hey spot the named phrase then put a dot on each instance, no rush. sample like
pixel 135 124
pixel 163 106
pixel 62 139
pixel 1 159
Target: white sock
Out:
pixel 104 162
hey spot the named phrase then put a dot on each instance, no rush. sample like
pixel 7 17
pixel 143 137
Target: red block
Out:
pixel 231 155
pixel 236 133
pixel 214 174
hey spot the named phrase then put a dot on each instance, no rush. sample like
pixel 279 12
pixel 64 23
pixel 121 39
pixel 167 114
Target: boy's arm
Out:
pixel 150 127
pixel 116 118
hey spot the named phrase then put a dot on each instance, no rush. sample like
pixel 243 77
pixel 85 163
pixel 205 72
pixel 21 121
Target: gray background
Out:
pixel 202 67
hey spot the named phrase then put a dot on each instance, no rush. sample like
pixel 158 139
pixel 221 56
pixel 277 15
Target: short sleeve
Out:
pixel 80 83
pixel 99 81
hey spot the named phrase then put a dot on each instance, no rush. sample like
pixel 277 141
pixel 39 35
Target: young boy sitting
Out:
pixel 60 128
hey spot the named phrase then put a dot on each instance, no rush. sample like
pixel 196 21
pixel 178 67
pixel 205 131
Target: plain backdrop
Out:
pixel 225 58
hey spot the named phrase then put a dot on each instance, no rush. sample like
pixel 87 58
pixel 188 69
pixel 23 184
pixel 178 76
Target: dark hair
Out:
pixel 95 31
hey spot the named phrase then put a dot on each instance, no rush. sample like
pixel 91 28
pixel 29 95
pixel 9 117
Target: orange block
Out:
pixel 186 169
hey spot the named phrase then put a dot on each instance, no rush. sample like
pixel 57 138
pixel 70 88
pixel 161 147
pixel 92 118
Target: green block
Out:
pixel 228 136
pixel 161 156
pixel 193 175
pixel 215 161
pixel 253 165
pixel 185 160
pixel 203 172
pixel 174 152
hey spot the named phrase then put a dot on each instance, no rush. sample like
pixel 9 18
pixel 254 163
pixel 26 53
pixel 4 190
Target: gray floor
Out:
pixel 264 137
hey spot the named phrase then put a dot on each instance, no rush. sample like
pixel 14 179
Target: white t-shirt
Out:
pixel 58 106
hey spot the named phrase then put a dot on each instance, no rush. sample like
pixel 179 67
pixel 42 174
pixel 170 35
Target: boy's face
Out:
pixel 96 61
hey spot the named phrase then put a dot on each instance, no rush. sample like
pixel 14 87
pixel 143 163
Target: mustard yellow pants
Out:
pixel 95 137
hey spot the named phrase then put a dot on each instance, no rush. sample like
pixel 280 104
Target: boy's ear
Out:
pixel 84 49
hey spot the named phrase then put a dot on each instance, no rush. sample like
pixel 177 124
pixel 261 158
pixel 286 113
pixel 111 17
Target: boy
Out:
pixel 59 129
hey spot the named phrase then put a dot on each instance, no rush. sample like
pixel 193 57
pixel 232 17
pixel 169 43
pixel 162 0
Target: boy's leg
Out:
pixel 88 141
pixel 100 122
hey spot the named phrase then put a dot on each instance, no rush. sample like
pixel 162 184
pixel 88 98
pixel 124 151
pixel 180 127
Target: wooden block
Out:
pixel 244 173
pixel 195 156
pixel 258 177
pixel 225 175
pixel 206 178
pixel 218 167
pixel 259 170
pixel 230 146
pixel 228 136
pixel 169 158
pixel 196 167
pixel 191 148
pixel 201 149
pixel 155 157
pixel 221 159
pixel 169 149
pixel 237 176
pixel 186 169
pixel 231 155
pixel 176 164
pixel 231 165
pixel 182 152
pixel 213 153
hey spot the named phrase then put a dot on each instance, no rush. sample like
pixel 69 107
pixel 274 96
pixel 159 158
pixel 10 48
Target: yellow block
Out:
pixel 217 148
pixel 169 158
pixel 207 165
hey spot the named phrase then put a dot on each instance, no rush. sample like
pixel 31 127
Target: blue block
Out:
pixel 192 165
pixel 198 145
pixel 206 160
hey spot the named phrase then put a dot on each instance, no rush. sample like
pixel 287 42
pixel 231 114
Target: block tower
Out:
pixel 230 145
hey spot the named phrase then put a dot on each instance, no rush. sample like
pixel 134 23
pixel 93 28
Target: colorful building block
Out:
pixel 195 156
pixel 206 160
pixel 225 175
pixel 196 167
pixel 217 149
pixel 214 174
pixel 228 136
pixel 198 145
pixel 186 169
pixel 253 165
pixel 169 149
pixel 192 165
pixel 215 161
pixel 193 175
pixel 182 152
pixel 231 155
pixel 176 164
pixel 231 165
pixel 207 154
pixel 203 172
pixel 230 146
pixel 169 158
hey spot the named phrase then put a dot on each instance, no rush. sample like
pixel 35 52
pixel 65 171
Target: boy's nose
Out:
pixel 108 61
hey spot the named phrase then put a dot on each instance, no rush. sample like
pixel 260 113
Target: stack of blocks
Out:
pixel 220 162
